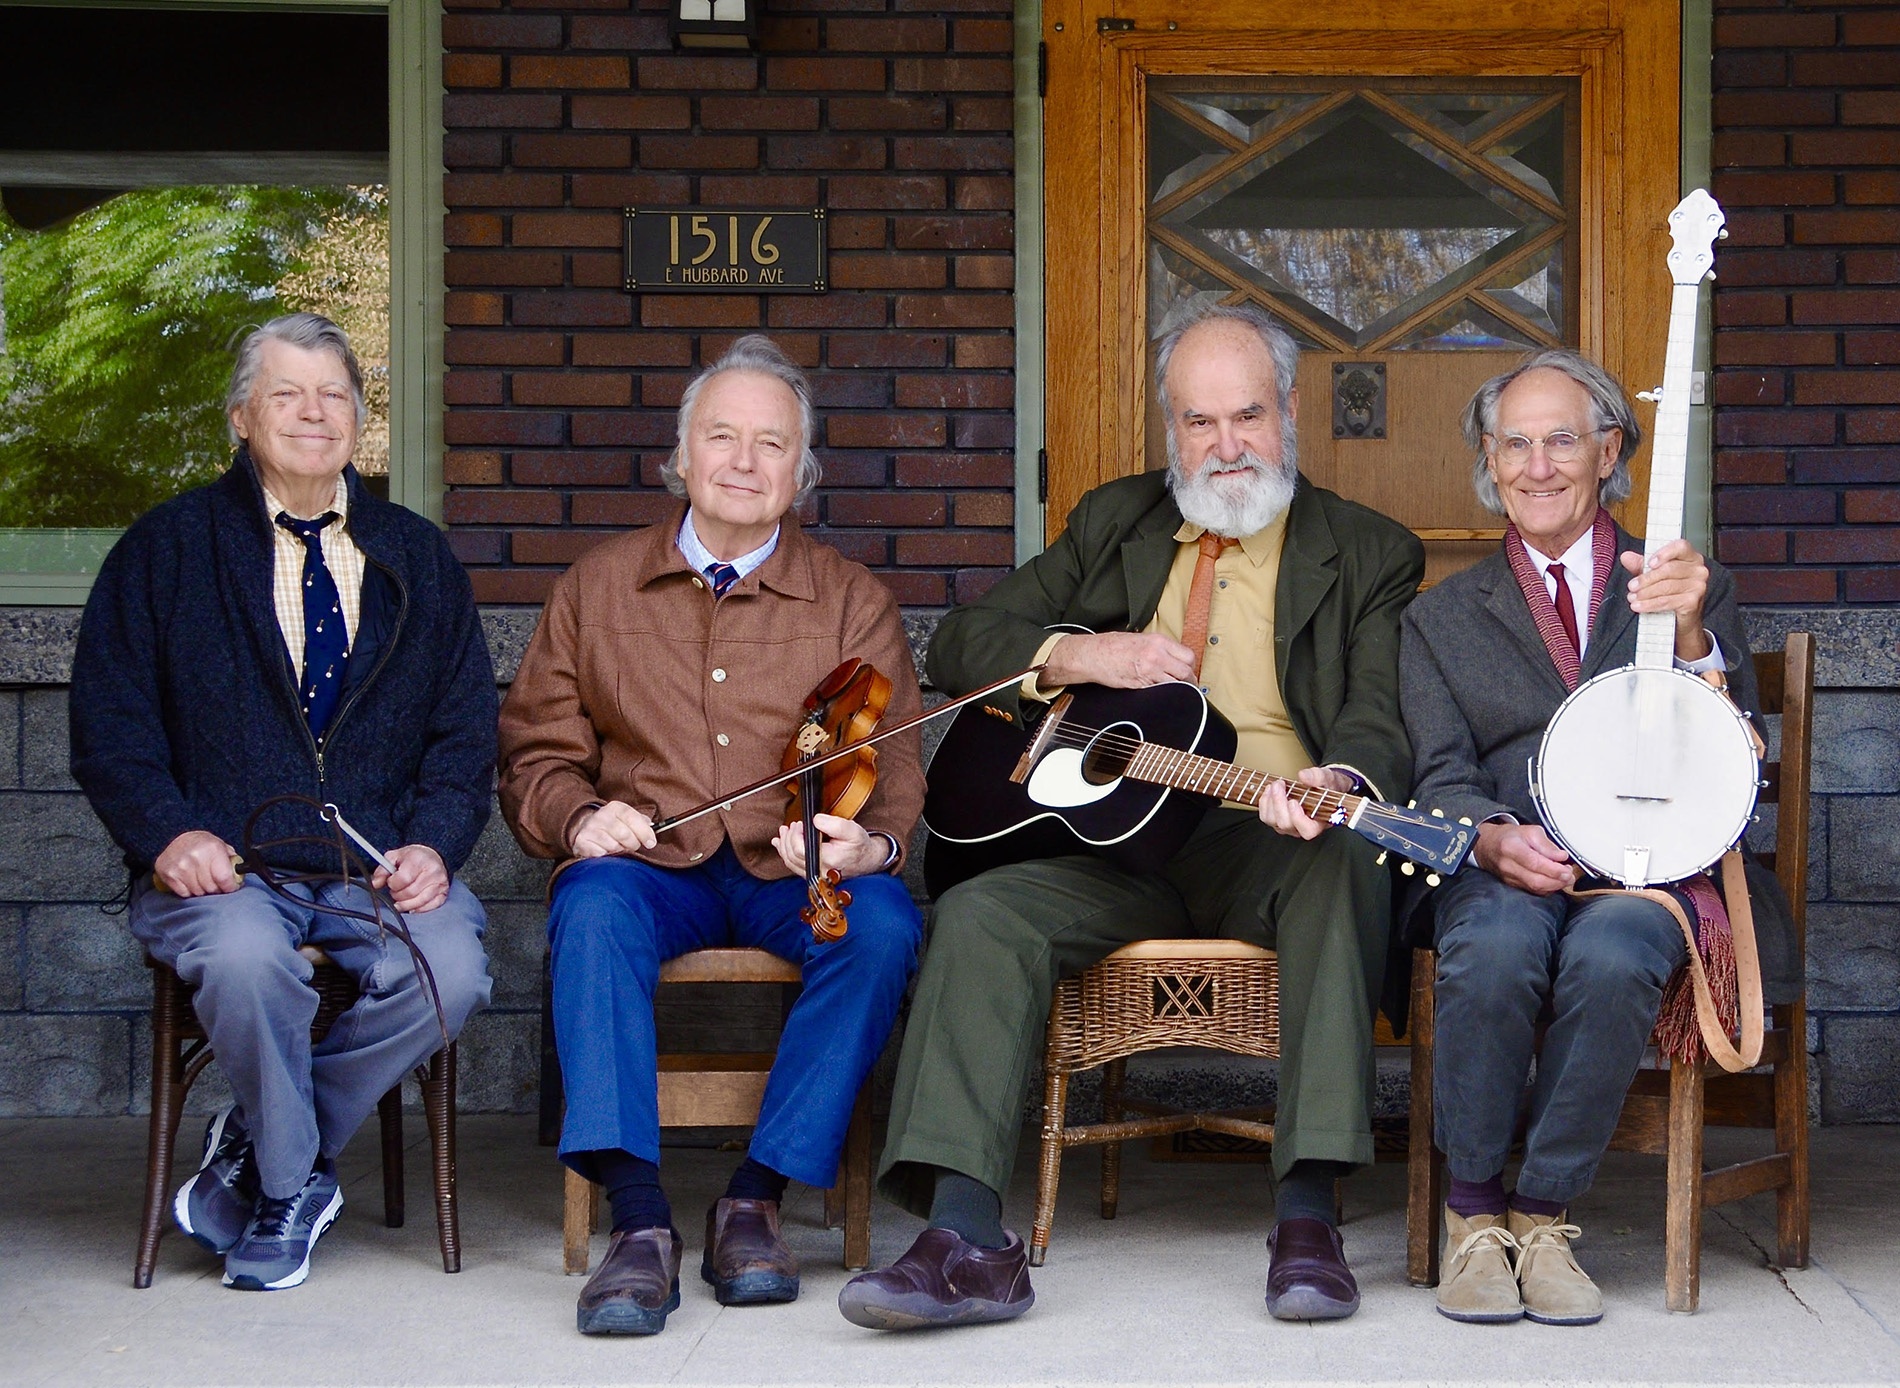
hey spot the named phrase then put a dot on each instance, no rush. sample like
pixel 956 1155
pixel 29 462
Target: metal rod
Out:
pixel 335 816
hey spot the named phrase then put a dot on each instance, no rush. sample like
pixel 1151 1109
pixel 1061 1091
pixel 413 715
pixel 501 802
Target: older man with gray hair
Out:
pixel 283 632
pixel 671 667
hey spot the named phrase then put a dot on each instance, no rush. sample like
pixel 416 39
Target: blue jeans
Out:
pixel 614 921
pixel 1503 956
pixel 239 951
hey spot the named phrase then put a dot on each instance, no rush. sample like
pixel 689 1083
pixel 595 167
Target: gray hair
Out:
pixel 753 352
pixel 310 331
pixel 1608 399
pixel 1279 344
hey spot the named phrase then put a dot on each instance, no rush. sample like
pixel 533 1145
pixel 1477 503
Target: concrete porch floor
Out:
pixel 1168 1292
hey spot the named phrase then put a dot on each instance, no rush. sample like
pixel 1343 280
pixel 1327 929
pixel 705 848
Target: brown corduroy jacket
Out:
pixel 638 687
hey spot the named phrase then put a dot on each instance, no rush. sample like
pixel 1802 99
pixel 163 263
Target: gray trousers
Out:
pixel 1001 940
pixel 239 951
pixel 1503 956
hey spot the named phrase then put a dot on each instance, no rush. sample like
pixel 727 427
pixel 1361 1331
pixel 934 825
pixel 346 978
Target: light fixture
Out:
pixel 715 23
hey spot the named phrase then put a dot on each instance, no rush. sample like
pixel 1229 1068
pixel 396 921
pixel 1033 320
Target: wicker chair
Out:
pixel 180 1052
pixel 1667 1108
pixel 1154 993
pixel 710 1090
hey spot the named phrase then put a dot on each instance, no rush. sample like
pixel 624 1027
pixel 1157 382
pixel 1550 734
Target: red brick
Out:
pixel 985 272
pixel 1871 508
pixel 699 152
pixel 759 113
pixel 1737 466
pixel 952 75
pixel 1817 306
pixel 846 350
pixel 633 33
pixel 501 31
pixel 1871 348
pixel 561 547
pixel 461 309
pixel 1759 308
pixel 464 469
pixel 843 310
pixel 954 233
pixel 856 233
pixel 1775 506
pixel 955 311
pixel 890 509
pixel 1873 267
pixel 1869 29
pixel 855 470
pixel 834 390
pixel 957 548
pixel 573 151
pixel 623 429
pixel 1741 268
pixel 758 190
pixel 1749 388
pixel 1812 189
pixel 505 586
pixel 892 191
pixel 824 74
pixel 597 270
pixel 982 36
pixel 1846 465
pixel 915 588
pixel 882 270
pixel 632 349
pixel 501 507
pixel 507 268
pixel 886 112
pixel 471 229
pixel 569 4
pixel 501 190
pixel 571 388
pixel 1774 31
pixel 565 229
pixel 590 469
pixel 977 353
pixel 1752 546
pixel 826 152
pixel 471 70
pixel 955 470
pixel 1842 69
pixel 779 34
pixel 694 74
pixel 622 508
pixel 962 391
pixel 699 311
pixel 956 153
pixel 664 392
pixel 632 190
pixel 1873 585
pixel 1785 585
pixel 1773 108
pixel 1852 146
pixel 1749 67
pixel 1774 349
pixel 984 431
pixel 503 427
pixel 984 508
pixel 502 349
pixel 1873 426
pixel 474 149
pixel 1756 229
pixel 1868 545
pixel 632 112
pixel 971 585
pixel 885 431
pixel 983 113
pixel 870 548
pixel 472 388
pixel 494 109
pixel 985 194
pixel 1734 428
pixel 803 348
pixel 568 73
pixel 1864 188
pixel 885 35
pixel 1870 108
pixel 1836 228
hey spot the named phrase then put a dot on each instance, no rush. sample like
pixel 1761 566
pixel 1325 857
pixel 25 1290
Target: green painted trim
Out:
pixel 1698 138
pixel 1031 358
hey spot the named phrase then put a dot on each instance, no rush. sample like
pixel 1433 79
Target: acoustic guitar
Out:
pixel 1126 774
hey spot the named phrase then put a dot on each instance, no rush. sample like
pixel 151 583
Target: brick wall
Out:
pixel 1807 301
pixel 895 117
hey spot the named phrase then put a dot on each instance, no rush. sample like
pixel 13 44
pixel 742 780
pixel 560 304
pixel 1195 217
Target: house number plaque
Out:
pixel 692 250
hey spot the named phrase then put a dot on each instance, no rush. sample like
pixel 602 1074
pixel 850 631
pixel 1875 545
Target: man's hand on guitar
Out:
pixel 613 828
pixel 846 845
pixel 1676 580
pixel 1118 659
pixel 196 863
pixel 1525 857
pixel 1281 813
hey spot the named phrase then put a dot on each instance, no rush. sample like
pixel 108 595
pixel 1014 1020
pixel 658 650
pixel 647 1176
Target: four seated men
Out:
pixel 282 631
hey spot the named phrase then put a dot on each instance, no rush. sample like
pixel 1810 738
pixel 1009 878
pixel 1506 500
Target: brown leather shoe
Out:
pixel 746 1260
pixel 1308 1279
pixel 635 1286
pixel 942 1280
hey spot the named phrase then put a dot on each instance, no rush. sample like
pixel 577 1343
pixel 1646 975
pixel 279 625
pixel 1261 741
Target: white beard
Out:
pixel 1232 499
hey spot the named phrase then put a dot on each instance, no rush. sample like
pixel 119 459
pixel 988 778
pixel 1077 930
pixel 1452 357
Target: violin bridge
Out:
pixel 811 739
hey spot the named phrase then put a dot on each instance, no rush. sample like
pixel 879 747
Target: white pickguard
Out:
pixel 1058 783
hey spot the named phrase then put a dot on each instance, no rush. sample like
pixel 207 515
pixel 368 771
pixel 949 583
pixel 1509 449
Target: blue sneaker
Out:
pixel 217 1202
pixel 274 1251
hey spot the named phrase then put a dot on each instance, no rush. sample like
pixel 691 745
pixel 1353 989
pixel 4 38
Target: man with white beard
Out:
pixel 1282 601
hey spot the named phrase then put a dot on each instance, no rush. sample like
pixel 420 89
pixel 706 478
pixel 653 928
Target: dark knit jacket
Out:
pixel 184 706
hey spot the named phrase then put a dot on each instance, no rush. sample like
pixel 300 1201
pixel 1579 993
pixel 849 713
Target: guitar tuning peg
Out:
pixel 1465 820
pixel 1380 860
pixel 1432 879
pixel 1407 869
pixel 1438 814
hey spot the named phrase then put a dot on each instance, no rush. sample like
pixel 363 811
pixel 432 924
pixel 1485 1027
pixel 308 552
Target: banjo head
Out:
pixel 1646 775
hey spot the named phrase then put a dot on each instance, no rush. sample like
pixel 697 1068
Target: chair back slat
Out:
pixel 1785 681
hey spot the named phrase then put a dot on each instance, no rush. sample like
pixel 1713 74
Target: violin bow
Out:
pixel 726 802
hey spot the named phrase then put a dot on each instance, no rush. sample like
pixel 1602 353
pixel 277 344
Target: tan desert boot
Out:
pixel 1477 1283
pixel 1556 1291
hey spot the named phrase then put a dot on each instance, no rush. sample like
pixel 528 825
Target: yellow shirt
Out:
pixel 340 555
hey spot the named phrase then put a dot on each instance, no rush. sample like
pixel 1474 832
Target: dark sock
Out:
pixel 1531 1205
pixel 967 1208
pixel 1468 1198
pixel 1306 1191
pixel 633 1188
pixel 754 1180
pixel 326 1166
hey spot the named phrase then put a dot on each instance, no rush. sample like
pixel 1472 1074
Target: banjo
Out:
pixel 1648 773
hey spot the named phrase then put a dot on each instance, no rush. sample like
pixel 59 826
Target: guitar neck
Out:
pixel 1669 467
pixel 1168 766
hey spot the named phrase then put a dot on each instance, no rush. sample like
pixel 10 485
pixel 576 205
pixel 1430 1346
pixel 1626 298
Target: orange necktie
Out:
pixel 1201 596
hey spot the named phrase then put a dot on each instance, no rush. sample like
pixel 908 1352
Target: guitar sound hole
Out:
pixel 1107 756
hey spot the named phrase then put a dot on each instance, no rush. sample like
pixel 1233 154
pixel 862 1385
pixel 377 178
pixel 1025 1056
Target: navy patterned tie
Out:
pixel 326 646
pixel 722 576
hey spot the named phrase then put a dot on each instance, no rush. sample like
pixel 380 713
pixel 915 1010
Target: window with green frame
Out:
pixel 136 244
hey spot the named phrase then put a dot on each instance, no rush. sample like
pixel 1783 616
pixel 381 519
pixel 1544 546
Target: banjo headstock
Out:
pixel 1695 226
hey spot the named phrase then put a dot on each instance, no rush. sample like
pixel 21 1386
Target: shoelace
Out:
pixel 274 1216
pixel 1558 1234
pixel 1492 1233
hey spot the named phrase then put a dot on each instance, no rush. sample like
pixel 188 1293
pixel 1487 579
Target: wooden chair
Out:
pixel 716 1090
pixel 1668 1107
pixel 1154 993
pixel 180 1052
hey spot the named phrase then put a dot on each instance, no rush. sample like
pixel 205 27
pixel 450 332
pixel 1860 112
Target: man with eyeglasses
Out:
pixel 1486 657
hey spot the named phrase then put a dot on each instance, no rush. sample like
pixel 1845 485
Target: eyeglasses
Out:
pixel 1561 447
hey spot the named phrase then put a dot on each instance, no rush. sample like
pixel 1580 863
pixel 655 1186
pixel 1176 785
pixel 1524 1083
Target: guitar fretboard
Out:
pixel 1168 766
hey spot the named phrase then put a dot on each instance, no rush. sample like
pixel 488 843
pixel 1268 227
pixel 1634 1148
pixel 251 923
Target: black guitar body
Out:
pixel 979 819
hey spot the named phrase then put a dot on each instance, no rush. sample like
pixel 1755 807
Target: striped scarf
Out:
pixel 1544 612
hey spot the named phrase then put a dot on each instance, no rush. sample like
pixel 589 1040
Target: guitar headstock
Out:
pixel 1437 844
pixel 1695 226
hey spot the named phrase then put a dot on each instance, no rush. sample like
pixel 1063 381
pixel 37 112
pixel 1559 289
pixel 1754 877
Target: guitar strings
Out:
pixel 1076 736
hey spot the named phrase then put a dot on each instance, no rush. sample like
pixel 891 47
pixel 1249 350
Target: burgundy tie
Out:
pixel 1566 609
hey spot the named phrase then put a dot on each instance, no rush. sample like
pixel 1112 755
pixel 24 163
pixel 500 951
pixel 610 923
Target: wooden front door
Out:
pixel 1420 193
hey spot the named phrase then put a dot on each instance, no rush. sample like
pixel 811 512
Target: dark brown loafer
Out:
pixel 941 1281
pixel 635 1286
pixel 1308 1279
pixel 746 1260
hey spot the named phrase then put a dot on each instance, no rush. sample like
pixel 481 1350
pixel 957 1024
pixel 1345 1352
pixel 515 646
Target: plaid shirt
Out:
pixel 287 555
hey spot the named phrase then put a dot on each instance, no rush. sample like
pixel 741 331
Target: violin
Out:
pixel 843 710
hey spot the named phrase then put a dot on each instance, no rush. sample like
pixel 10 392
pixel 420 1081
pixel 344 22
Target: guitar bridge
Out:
pixel 1040 742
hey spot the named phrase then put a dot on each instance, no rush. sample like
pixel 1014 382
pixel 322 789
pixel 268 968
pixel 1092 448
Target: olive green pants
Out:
pixel 1001 940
